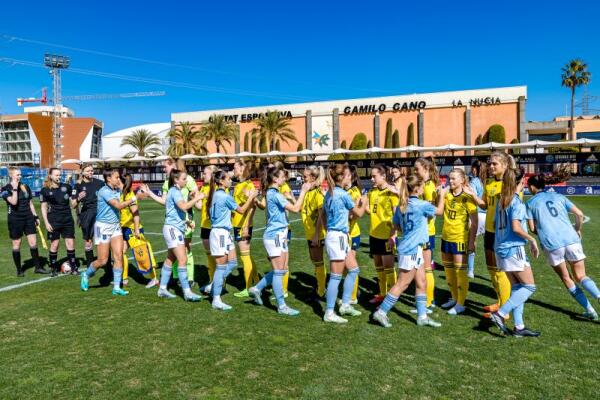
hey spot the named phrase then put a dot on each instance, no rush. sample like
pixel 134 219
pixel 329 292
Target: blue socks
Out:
pixel 421 300
pixel 266 280
pixel 349 281
pixel 278 286
pixel 471 263
pixel 518 296
pixel 388 303
pixel 231 265
pixel 591 287
pixel 165 276
pixel 117 274
pixel 219 280
pixel 579 296
pixel 183 278
pixel 90 271
pixel 332 290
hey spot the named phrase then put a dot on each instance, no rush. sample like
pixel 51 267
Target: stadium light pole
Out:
pixel 57 63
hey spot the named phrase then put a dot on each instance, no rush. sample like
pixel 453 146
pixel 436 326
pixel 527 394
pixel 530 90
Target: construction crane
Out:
pixel 102 96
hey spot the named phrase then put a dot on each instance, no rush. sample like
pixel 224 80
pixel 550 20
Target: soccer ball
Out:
pixel 65 268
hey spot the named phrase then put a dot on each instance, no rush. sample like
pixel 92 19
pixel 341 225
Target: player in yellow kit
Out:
pixel 492 190
pixel 381 205
pixel 355 192
pixel 458 237
pixel 314 229
pixel 427 170
pixel 242 223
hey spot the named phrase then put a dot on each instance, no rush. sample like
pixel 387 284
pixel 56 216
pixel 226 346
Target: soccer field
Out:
pixel 58 342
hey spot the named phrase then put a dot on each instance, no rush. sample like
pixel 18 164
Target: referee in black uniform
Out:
pixel 57 202
pixel 85 193
pixel 22 219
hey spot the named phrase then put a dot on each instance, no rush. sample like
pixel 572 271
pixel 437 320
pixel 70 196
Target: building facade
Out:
pixel 584 127
pixel 434 118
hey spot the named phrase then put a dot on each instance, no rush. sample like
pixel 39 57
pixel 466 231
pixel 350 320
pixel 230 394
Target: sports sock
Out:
pixel 332 290
pixel 430 285
pixel 590 286
pixel 286 281
pixel 381 278
pixel 117 274
pixel 462 283
pixel 212 266
pixel 53 256
pixel 471 263
pixel 231 266
pixel 72 259
pixel 218 280
pixel 579 296
pixel 349 283
pixel 90 271
pixel 355 290
pixel 390 278
pixel 451 278
pixel 518 296
pixel 35 256
pixel 494 280
pixel 190 265
pixel 248 268
pixel 266 280
pixel 277 283
pixel 321 276
pixel 125 267
pixel 421 300
pixel 89 255
pixel 17 258
pixel 183 280
pixel 388 303
pixel 255 277
pixel 165 276
pixel 503 286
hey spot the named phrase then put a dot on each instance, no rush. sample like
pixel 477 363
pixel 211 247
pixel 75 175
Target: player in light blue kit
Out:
pixel 220 205
pixel 336 209
pixel 411 218
pixel 547 214
pixel 107 232
pixel 511 238
pixel 176 208
pixel 275 237
pixel 476 179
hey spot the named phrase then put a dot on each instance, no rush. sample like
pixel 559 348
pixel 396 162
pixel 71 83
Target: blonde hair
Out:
pixel 317 172
pixel 335 174
pixel 48 181
pixel 431 168
pixel 461 172
pixel 412 183
pixel 10 172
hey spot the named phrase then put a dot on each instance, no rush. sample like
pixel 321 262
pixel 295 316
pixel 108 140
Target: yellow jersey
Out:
pixel 382 204
pixel 457 210
pixel 285 188
pixel 313 202
pixel 492 192
pixel 204 217
pixel 239 195
pixel 430 195
pixel 354 192
pixel 126 214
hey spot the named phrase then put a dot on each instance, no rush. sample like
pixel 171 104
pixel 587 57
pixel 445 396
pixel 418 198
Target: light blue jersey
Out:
pixel 105 212
pixel 413 223
pixel 550 210
pixel 337 207
pixel 507 241
pixel 276 217
pixel 220 209
pixel 174 215
pixel 477 186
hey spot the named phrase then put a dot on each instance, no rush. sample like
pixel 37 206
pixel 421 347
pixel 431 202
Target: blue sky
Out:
pixel 231 54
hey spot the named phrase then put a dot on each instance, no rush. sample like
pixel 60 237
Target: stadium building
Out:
pixel 434 118
pixel 27 138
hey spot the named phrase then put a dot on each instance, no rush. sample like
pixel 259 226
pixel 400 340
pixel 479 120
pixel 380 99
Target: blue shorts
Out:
pixel 238 231
pixel 431 244
pixel 355 242
pixel 128 232
pixel 453 247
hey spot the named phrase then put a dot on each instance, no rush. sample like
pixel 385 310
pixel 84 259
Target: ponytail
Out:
pixel 541 180
pixel 216 178
pixel 48 181
pixel 412 183
pixel 429 165
pixel 335 174
pixel 511 179
pixel 355 177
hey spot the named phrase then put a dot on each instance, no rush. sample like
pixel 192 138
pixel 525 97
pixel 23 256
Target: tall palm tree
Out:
pixel 272 128
pixel 574 74
pixel 220 131
pixel 144 142
pixel 186 139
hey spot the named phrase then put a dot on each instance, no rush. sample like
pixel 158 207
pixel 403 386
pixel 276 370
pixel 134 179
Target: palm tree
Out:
pixel 271 128
pixel 186 139
pixel 574 74
pixel 219 131
pixel 143 141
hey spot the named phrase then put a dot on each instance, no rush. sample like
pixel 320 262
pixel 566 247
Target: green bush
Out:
pixel 359 142
pixel 246 139
pixel 300 148
pixel 396 142
pixel 343 144
pixel 515 151
pixel 388 136
pixel 495 134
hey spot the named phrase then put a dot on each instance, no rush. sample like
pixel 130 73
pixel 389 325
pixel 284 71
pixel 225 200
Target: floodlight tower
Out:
pixel 56 64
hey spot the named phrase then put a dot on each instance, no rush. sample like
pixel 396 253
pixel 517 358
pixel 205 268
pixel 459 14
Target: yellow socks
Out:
pixel 212 266
pixel 321 276
pixel 248 267
pixel 255 277
pixel 286 280
pixel 504 287
pixel 494 279
pixel 381 277
pixel 390 278
pixel 462 283
pixel 355 291
pixel 125 267
pixel 430 285
pixel 450 271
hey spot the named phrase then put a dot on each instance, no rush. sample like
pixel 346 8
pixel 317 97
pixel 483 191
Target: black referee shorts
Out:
pixel 19 226
pixel 86 222
pixel 64 229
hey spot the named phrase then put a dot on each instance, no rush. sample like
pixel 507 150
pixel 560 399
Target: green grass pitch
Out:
pixel 57 342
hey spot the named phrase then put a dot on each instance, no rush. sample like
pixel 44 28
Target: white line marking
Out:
pixel 20 285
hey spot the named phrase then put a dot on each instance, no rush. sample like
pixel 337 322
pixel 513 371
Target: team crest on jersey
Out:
pixel 50 193
pixel 63 189
pixel 66 196
pixel 104 237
